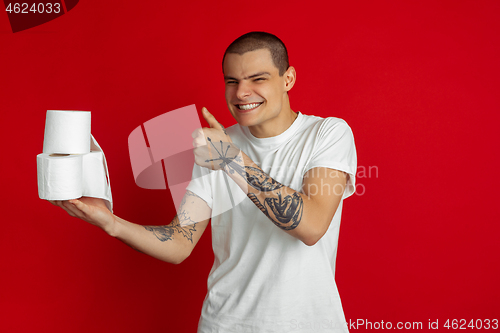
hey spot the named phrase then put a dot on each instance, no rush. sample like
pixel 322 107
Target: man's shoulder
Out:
pixel 315 119
pixel 324 125
pixel 310 125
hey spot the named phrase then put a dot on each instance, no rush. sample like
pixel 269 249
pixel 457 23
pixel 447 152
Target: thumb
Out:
pixel 212 122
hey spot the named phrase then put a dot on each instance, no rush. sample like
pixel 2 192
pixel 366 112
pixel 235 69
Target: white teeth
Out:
pixel 248 106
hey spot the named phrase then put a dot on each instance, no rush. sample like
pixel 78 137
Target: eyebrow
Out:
pixel 248 77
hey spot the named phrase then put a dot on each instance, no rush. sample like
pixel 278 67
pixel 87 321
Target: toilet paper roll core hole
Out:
pixel 58 155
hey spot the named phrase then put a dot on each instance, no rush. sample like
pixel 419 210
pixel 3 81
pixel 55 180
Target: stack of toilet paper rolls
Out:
pixel 72 164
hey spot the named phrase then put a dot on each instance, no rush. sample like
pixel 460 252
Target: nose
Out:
pixel 243 91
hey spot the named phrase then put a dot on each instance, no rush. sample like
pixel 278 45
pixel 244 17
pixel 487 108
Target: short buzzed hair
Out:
pixel 257 40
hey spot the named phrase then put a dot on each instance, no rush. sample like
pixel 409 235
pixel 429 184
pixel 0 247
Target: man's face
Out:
pixel 255 93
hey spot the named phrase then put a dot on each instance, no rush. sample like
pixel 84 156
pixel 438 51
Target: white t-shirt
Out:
pixel 263 279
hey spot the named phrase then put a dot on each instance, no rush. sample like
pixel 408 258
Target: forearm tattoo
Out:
pixel 259 180
pixel 166 232
pixel 285 212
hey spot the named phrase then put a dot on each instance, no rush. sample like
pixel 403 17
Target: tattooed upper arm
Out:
pixel 189 223
pixel 193 210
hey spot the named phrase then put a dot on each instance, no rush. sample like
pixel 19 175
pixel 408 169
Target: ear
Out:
pixel 290 76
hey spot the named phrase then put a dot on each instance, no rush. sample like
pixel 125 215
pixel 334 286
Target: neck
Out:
pixel 274 126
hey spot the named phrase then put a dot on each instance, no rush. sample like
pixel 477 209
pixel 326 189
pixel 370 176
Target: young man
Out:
pixel 275 249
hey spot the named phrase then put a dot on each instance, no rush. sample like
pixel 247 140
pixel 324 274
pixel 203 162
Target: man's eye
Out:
pixel 259 79
pixel 231 82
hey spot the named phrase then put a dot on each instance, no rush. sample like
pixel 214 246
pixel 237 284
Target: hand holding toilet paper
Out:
pixel 72 164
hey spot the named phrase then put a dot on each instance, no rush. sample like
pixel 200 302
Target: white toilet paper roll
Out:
pixel 59 176
pixel 67 132
pixel 81 172
pixel 65 177
pixel 106 194
pixel 95 182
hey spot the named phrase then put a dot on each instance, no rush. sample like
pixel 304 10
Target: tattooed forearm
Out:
pixel 285 213
pixel 166 232
pixel 162 232
pixel 259 180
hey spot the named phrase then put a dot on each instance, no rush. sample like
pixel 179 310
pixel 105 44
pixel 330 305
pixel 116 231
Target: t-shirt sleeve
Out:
pixel 201 184
pixel 334 148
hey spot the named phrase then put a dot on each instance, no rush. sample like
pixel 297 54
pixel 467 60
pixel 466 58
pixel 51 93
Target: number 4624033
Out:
pixel 25 8
pixel 462 324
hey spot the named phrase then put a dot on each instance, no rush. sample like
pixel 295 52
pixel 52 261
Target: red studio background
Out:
pixel 417 81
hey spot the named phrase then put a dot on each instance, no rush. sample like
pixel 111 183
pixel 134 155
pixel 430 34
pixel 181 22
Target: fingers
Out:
pixel 70 207
pixel 90 201
pixel 202 156
pixel 202 150
pixel 62 204
pixel 198 138
pixel 78 204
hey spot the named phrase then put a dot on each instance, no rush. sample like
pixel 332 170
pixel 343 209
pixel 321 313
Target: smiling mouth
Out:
pixel 247 107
